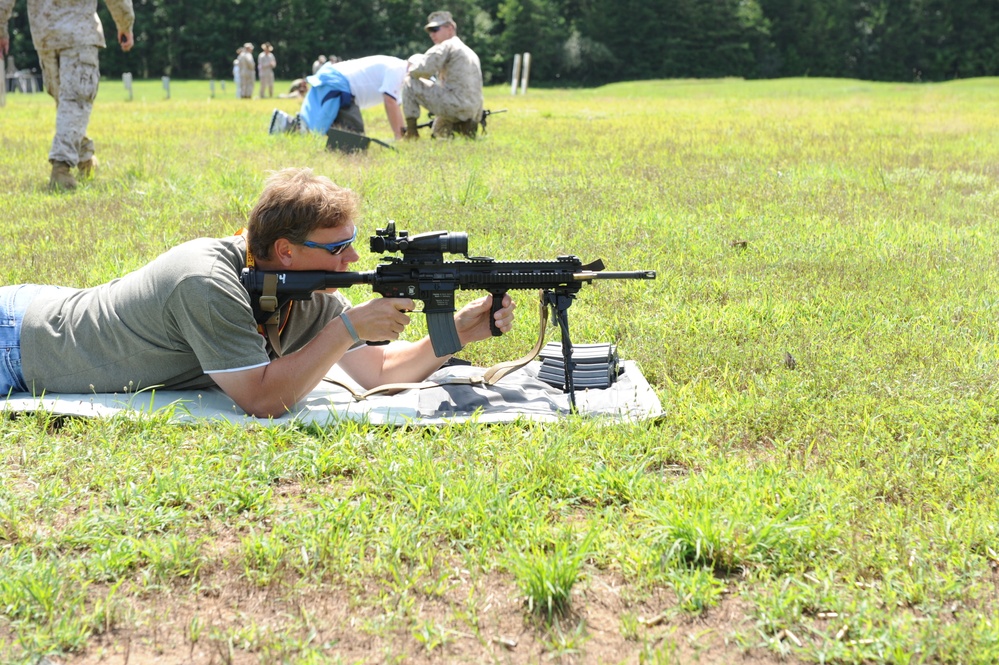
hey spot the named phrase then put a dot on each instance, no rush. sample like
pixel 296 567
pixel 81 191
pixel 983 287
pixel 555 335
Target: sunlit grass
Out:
pixel 837 507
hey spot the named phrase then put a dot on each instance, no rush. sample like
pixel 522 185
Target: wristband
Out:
pixel 350 327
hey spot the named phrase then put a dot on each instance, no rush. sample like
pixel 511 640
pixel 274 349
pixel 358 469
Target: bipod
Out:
pixel 560 303
pixel 486 114
pixel 482 122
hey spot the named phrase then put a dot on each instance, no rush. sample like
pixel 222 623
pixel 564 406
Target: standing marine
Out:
pixel 67 35
pixel 266 62
pixel 247 71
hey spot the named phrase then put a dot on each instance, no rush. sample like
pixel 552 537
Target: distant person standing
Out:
pixel 319 62
pixel 266 63
pixel 235 71
pixel 247 69
pixel 446 80
pixel 67 35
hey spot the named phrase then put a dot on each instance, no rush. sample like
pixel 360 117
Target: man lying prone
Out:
pixel 184 320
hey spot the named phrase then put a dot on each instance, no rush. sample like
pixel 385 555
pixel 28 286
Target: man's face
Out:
pixel 442 33
pixel 335 259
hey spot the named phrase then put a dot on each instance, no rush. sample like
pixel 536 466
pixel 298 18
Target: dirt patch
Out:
pixel 473 620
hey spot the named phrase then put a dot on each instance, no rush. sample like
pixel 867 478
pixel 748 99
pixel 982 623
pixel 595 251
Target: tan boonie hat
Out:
pixel 438 19
pixel 248 45
pixel 266 46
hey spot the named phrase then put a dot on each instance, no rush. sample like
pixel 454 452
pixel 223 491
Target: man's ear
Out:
pixel 283 252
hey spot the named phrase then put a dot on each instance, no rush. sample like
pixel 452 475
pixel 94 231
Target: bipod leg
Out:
pixel 560 303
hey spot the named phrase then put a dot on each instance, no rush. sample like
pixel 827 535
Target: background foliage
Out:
pixel 573 42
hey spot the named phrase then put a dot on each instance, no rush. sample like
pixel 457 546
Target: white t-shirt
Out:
pixel 373 76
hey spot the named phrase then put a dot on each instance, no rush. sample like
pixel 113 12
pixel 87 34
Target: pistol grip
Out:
pixel 497 306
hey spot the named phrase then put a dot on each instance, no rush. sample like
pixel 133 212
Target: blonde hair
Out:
pixel 294 203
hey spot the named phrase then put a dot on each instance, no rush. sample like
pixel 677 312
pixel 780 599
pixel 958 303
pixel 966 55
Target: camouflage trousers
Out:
pixel 246 82
pixel 71 78
pixel 438 99
pixel 266 84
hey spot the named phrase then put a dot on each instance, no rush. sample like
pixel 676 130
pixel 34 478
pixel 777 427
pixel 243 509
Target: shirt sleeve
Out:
pixel 213 317
pixel 432 62
pixel 392 83
pixel 123 14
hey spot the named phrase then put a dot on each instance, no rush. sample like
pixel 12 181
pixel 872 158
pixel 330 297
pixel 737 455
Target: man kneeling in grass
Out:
pixel 184 321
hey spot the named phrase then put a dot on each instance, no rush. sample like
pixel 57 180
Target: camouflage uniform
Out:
pixel 456 95
pixel 246 72
pixel 67 35
pixel 266 62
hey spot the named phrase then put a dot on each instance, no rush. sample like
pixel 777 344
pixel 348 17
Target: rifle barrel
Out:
pixel 626 274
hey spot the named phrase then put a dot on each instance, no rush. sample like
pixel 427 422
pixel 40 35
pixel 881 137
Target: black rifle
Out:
pixel 482 121
pixel 421 273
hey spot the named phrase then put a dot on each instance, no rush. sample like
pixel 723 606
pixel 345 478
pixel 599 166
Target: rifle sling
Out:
pixel 488 378
pixel 268 301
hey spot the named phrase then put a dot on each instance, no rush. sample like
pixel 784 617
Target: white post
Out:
pixel 166 85
pixel 3 82
pixel 516 73
pixel 527 71
pixel 126 78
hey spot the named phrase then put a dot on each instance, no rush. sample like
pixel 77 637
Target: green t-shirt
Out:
pixel 166 325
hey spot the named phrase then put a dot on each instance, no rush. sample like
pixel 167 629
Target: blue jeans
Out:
pixel 13 303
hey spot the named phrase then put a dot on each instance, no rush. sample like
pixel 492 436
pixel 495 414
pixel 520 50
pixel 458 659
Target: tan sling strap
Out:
pixel 488 378
pixel 273 326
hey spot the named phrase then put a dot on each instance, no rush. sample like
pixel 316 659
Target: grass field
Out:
pixel 822 334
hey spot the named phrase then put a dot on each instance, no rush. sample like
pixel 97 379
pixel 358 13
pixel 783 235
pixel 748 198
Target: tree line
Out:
pixel 572 42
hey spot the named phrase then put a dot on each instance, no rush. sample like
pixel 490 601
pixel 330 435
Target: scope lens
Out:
pixel 456 243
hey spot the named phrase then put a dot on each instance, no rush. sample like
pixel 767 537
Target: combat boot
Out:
pixel 412 132
pixel 466 128
pixel 61 177
pixel 88 168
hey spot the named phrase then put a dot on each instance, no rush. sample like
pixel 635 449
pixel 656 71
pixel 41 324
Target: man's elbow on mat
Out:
pixel 244 389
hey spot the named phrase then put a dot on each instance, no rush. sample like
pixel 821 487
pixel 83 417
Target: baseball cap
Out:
pixel 438 19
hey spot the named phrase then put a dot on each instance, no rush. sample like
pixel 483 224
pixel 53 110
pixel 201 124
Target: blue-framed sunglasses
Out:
pixel 333 248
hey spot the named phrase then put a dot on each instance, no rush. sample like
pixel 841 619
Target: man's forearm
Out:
pixel 123 14
pixel 394 114
pixel 397 362
pixel 270 391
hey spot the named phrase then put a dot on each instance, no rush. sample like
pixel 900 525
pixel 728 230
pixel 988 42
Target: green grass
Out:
pixel 838 509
